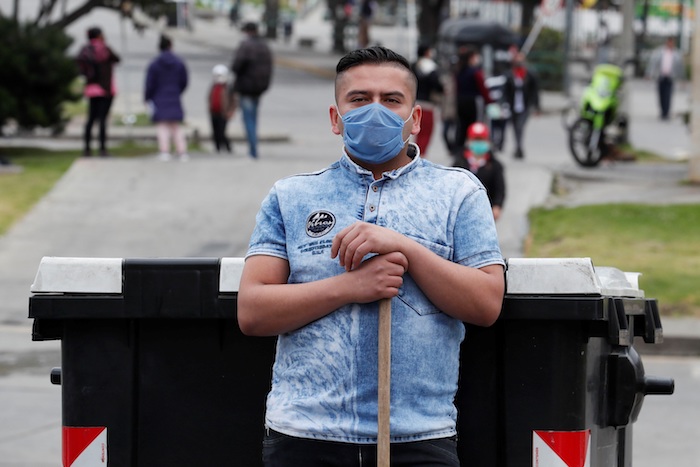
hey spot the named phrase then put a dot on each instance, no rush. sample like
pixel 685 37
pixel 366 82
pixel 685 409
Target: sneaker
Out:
pixel 184 157
pixel 164 156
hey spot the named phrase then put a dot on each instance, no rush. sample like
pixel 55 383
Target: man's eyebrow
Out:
pixel 360 92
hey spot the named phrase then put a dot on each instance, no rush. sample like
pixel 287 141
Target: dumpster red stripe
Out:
pixel 561 448
pixel 84 446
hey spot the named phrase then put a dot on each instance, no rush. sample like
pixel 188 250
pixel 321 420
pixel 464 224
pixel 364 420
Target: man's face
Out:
pixel 389 85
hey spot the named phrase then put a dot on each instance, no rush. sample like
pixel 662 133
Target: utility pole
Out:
pixel 694 161
pixel 625 60
pixel 569 22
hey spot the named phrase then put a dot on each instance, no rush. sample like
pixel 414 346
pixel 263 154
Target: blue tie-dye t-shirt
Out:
pixel 324 383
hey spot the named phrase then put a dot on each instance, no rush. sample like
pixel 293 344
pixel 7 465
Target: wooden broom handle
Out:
pixel 384 383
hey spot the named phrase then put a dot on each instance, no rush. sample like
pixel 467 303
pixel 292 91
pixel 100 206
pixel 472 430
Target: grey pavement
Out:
pixel 141 207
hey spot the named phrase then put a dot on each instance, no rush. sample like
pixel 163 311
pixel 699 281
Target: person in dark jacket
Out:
pixel 166 80
pixel 479 159
pixel 523 96
pixel 252 65
pixel 470 90
pixel 429 88
pixel 96 61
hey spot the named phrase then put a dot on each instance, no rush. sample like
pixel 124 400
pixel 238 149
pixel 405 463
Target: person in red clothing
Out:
pixel 479 159
pixel 470 88
pixel 222 105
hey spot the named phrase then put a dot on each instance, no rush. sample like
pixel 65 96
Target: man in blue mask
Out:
pixel 379 223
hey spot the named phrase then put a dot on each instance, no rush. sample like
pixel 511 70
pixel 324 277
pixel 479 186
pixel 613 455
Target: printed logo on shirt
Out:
pixel 319 223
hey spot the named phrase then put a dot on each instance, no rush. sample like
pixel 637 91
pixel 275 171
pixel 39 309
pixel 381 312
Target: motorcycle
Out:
pixel 590 135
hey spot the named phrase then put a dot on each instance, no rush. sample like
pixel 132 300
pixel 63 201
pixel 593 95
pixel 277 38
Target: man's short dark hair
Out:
pixel 165 43
pixel 376 55
pixel 423 49
pixel 94 33
pixel 250 27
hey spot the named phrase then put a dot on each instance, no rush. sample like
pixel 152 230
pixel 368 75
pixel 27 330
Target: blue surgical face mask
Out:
pixel 478 147
pixel 373 133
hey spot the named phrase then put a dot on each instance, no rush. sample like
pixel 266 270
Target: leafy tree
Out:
pixel 36 72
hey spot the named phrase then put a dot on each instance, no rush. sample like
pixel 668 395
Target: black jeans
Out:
pixel 98 111
pixel 218 127
pixel 665 87
pixel 286 451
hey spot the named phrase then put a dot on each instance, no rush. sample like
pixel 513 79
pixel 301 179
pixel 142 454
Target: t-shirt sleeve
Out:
pixel 269 237
pixel 476 239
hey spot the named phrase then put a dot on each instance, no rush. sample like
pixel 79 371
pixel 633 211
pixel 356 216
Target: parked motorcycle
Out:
pixel 590 137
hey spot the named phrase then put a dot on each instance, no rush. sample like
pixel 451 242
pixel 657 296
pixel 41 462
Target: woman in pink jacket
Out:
pixel 96 61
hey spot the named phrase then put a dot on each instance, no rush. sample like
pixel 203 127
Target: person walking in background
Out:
pixel 665 66
pixel 470 91
pixel 448 110
pixel 222 105
pixel 523 96
pixel 252 65
pixel 479 158
pixel 96 63
pixel 166 80
pixel 428 94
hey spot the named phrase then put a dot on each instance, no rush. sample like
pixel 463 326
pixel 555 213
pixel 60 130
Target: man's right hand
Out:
pixel 378 277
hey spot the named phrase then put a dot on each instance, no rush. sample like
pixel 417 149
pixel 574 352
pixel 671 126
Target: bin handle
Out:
pixel 658 386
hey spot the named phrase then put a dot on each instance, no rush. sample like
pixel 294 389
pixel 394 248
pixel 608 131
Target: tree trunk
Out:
pixel 527 19
pixel 270 18
pixel 429 21
pixel 340 21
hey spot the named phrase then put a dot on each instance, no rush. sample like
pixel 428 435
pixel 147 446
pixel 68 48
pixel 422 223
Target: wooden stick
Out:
pixel 384 383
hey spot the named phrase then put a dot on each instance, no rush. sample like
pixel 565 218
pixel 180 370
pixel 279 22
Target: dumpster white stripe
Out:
pixel 561 448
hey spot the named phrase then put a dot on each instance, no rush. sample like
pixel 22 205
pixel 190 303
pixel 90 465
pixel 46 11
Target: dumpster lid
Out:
pixel 105 275
pixel 568 276
pixel 78 275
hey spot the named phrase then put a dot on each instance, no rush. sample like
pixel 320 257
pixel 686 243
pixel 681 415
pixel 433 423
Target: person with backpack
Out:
pixel 222 105
pixel 96 61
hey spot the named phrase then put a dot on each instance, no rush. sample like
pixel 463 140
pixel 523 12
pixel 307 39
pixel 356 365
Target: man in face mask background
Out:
pixel 381 222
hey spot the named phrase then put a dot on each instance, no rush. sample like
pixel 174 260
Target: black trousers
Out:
pixel 218 127
pixel 97 112
pixel 286 451
pixel 467 113
pixel 665 85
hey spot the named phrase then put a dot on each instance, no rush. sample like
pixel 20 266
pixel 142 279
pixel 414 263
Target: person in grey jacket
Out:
pixel 665 66
pixel 252 65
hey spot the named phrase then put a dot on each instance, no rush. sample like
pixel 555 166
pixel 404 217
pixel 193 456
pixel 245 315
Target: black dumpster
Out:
pixel 155 371
pixel 556 381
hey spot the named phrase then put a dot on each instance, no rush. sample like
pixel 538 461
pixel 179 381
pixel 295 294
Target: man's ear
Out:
pixel 417 115
pixel 335 120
